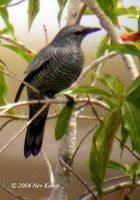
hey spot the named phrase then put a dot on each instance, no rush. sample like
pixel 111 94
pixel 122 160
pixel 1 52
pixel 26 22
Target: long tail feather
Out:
pixel 19 92
pixel 35 131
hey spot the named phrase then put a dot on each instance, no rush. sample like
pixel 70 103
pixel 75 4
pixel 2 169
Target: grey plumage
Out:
pixel 55 68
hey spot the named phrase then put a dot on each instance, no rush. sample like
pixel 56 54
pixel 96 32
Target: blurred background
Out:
pixel 14 168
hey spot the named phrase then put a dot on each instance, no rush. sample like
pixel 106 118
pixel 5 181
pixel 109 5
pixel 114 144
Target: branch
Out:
pixel 81 142
pixel 10 106
pixel 128 148
pixel 12 4
pixel 50 170
pixel 13 193
pixel 6 67
pixel 18 196
pixel 132 187
pixel 8 73
pixel 66 150
pixel 78 177
pixel 74 6
pixel 5 124
pixel 18 44
pixel 94 110
pixel 22 129
pixel 80 13
pixel 113 188
pixel 107 181
pixel 46 34
pixel 50 116
pixel 94 64
pixel 107 24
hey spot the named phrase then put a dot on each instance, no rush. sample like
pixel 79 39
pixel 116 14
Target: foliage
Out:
pixel 123 105
pixel 63 120
pixel 3 86
pixel 102 147
pixel 33 9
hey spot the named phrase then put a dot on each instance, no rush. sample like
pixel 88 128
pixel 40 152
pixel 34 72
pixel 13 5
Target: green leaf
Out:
pixel 28 57
pixel 128 29
pixel 117 166
pixel 101 148
pixel 110 8
pixel 102 47
pixel 113 84
pixel 134 169
pixel 5 2
pixel 5 31
pixel 5 16
pixel 132 11
pixel 131 171
pixel 33 9
pixel 131 117
pixel 133 49
pixel 61 4
pixel 133 93
pixel 101 51
pixel 110 101
pixel 139 23
pixel 125 134
pixel 63 121
pixel 87 89
pixel 3 87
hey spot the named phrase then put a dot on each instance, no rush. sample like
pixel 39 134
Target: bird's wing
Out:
pixel 42 57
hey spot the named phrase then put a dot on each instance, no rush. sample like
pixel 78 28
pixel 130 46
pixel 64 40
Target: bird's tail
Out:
pixel 35 131
pixel 19 92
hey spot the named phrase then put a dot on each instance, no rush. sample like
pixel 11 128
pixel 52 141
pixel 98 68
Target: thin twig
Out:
pixel 94 110
pixel 88 117
pixel 13 193
pixel 7 122
pixel 51 116
pixel 21 117
pixel 12 4
pixel 132 187
pixel 107 181
pixel 119 186
pixel 94 64
pixel 112 188
pixel 81 142
pixel 51 174
pixel 78 177
pixel 19 80
pixel 128 148
pixel 116 178
pixel 15 117
pixel 10 106
pixel 22 129
pixel 46 34
pixel 17 196
pixel 6 67
pixel 18 44
pixel 25 117
pixel 80 13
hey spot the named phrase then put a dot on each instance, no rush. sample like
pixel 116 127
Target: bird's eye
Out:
pixel 78 32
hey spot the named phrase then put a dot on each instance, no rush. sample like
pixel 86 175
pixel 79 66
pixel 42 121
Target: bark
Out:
pixel 68 143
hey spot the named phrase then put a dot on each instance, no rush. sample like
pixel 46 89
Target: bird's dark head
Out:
pixel 74 33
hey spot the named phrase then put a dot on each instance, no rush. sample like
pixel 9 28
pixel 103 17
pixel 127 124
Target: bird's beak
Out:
pixel 92 29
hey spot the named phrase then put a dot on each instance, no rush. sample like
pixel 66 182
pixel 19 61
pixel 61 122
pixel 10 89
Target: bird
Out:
pixel 55 68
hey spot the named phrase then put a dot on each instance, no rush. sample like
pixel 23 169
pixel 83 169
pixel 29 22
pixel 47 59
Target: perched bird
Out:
pixel 55 68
